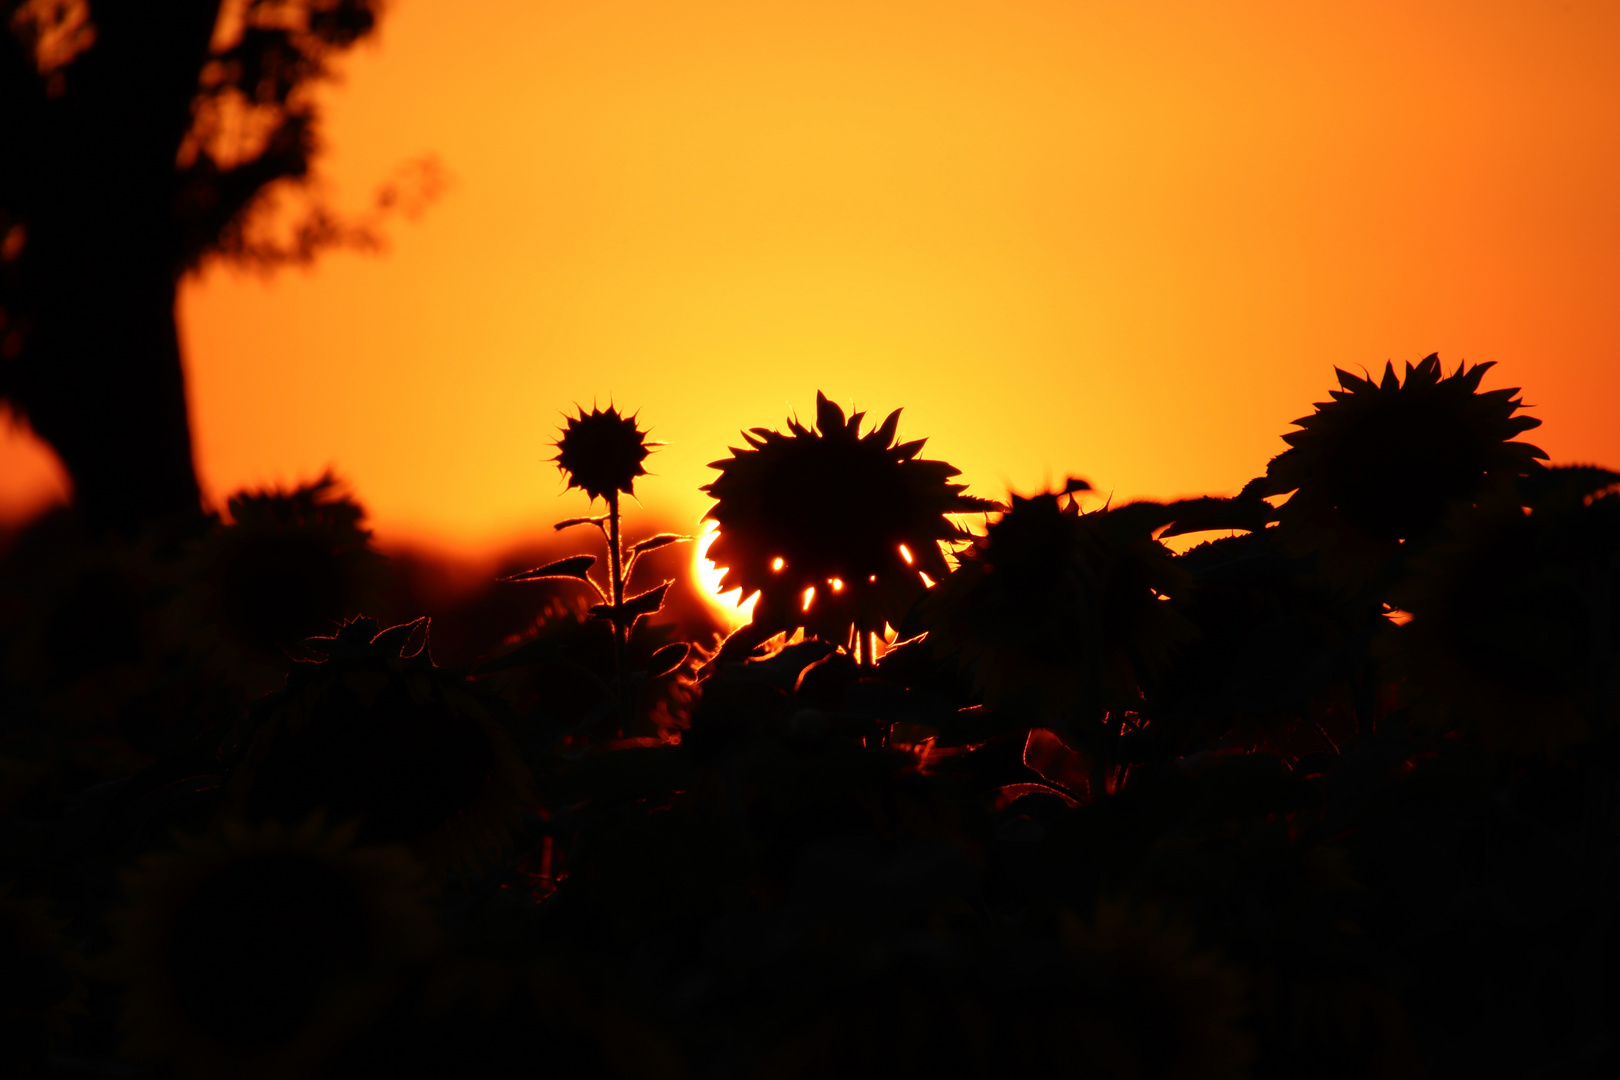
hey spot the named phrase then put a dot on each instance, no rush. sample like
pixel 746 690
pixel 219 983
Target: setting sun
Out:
pixel 707 576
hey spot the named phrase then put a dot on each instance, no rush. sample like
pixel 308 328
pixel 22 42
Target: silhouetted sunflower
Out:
pixel 290 564
pixel 600 452
pixel 416 752
pixel 1059 612
pixel 1171 1010
pixel 254 952
pixel 837 531
pixel 1382 462
pixel 1511 634
pixel 40 988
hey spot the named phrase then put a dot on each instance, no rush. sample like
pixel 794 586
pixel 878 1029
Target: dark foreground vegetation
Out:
pixel 1333 794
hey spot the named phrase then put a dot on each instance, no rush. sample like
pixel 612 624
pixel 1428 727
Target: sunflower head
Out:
pixel 416 753
pixel 1382 462
pixel 254 952
pixel 1063 613
pixel 290 564
pixel 600 452
pixel 836 530
pixel 1509 636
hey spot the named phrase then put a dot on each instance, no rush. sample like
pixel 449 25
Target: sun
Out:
pixel 707 576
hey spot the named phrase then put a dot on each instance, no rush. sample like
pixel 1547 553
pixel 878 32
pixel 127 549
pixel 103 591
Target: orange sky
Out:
pixel 1126 240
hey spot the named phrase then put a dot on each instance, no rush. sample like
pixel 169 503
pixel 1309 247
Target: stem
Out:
pixel 621 635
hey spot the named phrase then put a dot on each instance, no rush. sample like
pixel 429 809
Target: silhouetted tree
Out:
pixel 136 139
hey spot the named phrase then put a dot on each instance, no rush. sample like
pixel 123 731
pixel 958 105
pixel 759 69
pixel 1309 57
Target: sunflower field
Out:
pixel 1318 780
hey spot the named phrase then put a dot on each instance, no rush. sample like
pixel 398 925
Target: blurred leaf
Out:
pixel 667 659
pixel 571 567
pixel 536 651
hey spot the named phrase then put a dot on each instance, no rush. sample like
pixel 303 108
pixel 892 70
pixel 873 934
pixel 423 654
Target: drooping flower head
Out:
pixel 1059 612
pixel 834 529
pixel 1383 461
pixel 289 564
pixel 600 452
pixel 254 952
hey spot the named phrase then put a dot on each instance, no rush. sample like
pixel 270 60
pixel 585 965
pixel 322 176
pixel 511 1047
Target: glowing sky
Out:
pixel 1126 240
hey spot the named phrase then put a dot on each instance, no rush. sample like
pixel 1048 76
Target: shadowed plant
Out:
pixel 254 951
pixel 601 453
pixel 1063 617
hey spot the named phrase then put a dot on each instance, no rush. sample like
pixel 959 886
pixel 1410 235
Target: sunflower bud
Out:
pixel 600 452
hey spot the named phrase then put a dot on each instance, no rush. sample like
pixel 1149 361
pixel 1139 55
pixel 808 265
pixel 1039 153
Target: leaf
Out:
pixel 646 603
pixel 572 567
pixel 667 659
pixel 1210 512
pixel 571 522
pixel 636 606
pixel 536 651
pixel 653 543
pixel 1074 484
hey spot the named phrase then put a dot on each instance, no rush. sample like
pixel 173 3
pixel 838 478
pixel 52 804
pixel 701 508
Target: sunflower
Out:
pixel 600 452
pixel 1380 464
pixel 290 564
pixel 1511 630
pixel 838 532
pixel 416 752
pixel 1062 613
pixel 255 952
pixel 40 988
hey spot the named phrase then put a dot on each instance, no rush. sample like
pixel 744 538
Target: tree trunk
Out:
pixel 109 392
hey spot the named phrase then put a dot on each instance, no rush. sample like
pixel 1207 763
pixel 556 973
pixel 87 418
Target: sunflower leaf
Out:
pixel 634 607
pixel 1208 513
pixel 653 543
pixel 646 603
pixel 572 567
pixel 571 522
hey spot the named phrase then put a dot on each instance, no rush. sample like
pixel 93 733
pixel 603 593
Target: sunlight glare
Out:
pixel 707 577
pixel 809 597
pixel 905 554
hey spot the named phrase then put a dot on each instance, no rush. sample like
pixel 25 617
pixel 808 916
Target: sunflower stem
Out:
pixel 621 635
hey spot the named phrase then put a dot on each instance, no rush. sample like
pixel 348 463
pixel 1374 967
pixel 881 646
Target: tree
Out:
pixel 138 139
